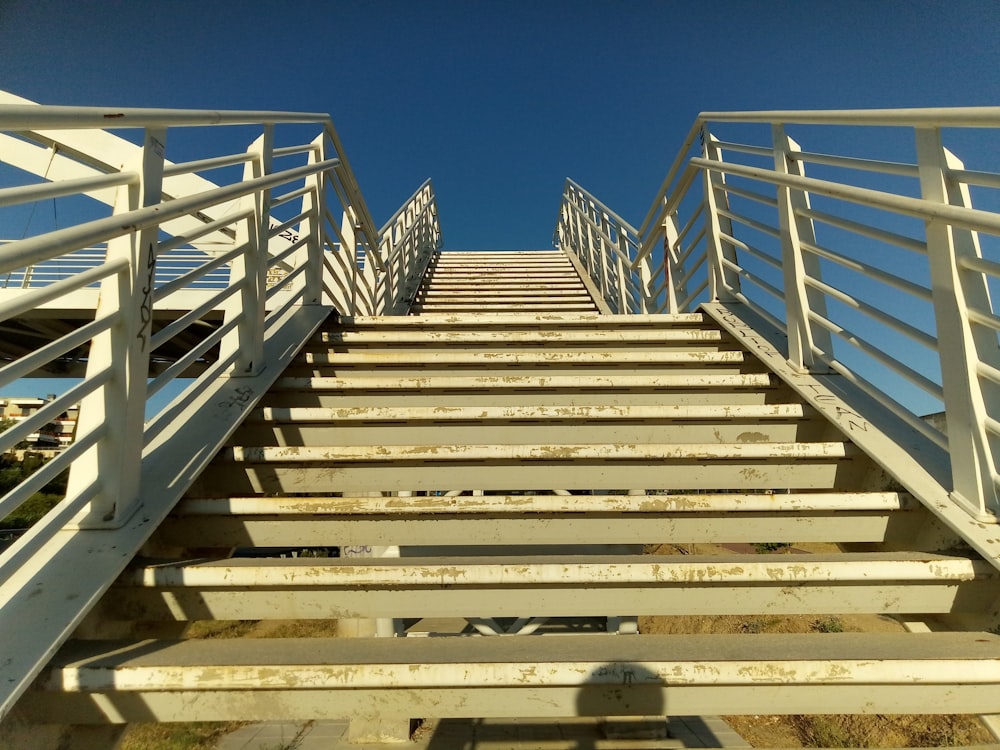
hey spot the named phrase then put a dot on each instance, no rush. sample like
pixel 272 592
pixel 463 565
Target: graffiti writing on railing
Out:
pixel 817 393
pixel 289 235
pixel 146 307
pixel 240 397
pixel 748 335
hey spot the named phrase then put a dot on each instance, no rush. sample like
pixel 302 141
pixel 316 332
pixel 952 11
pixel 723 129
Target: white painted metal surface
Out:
pixel 896 298
pixel 276 264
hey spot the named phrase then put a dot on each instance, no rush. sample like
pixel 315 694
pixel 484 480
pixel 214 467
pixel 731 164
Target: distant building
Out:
pixel 54 435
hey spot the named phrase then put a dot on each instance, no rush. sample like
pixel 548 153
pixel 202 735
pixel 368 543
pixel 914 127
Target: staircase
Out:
pixel 516 460
pixel 546 474
pixel 481 282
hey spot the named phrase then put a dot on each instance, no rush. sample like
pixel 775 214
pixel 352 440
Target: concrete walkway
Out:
pixel 473 734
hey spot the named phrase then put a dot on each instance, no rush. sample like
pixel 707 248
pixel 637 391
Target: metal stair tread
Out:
pixel 582 381
pixel 661 452
pixel 507 356
pixel 479 414
pixel 350 664
pixel 594 571
pixel 395 505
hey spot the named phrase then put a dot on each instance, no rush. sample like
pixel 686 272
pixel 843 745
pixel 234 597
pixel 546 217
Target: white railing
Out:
pixel 182 275
pixel 879 264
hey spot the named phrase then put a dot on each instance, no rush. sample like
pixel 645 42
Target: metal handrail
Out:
pixel 693 234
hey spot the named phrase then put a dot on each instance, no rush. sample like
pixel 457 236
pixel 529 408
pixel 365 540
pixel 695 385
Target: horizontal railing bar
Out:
pixel 603 236
pixel 982 265
pixel 33 117
pixel 285 281
pixel 14 196
pixel 744 148
pixel 993 427
pixel 194 274
pixel 274 260
pixel 931 117
pixel 748 222
pixel 47 413
pixel 683 305
pixel 693 270
pixel 291 195
pixel 890 321
pixel 691 222
pixel 851 162
pixel 755 280
pixel 604 209
pixel 273 231
pixel 869 271
pixel 972 177
pixel 669 207
pixel 191 356
pixel 403 207
pixel 778 325
pixel 212 226
pixel 304 148
pixel 862 344
pixel 683 257
pixel 986 371
pixel 960 216
pixel 203 165
pixel 751 195
pixel 37 359
pixel 983 318
pixel 32 250
pixel 36 297
pixel 921 426
pixel 174 327
pixel 49 471
pixel 679 163
pixel 754 251
pixel 899 240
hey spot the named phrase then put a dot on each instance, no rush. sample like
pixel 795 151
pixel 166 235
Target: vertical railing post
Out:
pixel 962 346
pixel 245 345
pixel 672 273
pixel 796 266
pixel 724 282
pixel 118 409
pixel 311 225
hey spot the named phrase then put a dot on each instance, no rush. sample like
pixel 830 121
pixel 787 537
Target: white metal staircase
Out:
pixel 517 437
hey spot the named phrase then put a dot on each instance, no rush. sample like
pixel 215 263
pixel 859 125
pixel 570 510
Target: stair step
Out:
pixel 322 678
pixel 299 415
pixel 391 468
pixel 583 381
pixel 455 425
pixel 592 336
pixel 526 308
pixel 539 519
pixel 515 357
pixel 661 452
pixel 554 321
pixel 555 586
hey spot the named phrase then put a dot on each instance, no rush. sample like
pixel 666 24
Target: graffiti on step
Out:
pixel 362 551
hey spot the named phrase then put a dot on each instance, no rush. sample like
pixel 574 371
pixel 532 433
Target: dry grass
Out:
pixel 181 736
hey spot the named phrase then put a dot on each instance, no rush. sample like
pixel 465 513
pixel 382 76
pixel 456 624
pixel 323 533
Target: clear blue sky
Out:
pixel 498 102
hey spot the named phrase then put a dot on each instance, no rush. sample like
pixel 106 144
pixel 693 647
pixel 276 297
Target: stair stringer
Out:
pixel 911 460
pixel 46 588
